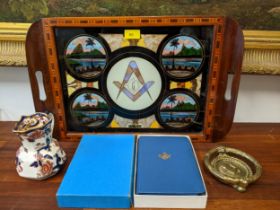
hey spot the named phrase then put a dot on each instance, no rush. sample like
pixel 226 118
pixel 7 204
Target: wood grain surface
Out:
pixel 260 140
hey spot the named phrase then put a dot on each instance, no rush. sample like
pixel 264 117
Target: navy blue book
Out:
pixel 166 165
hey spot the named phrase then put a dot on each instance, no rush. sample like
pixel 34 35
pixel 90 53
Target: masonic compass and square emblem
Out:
pixel 133 84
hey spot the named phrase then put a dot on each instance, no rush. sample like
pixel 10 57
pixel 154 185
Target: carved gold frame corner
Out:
pixel 262 52
pixel 12 43
pixel 262 48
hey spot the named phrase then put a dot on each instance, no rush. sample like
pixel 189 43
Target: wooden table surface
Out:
pixel 260 140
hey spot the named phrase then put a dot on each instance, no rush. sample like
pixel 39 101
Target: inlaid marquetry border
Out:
pixel 213 82
pixel 262 48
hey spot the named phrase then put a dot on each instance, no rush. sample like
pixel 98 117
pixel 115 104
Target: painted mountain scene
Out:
pixel 182 56
pixel 85 57
pixel 178 110
pixel 90 110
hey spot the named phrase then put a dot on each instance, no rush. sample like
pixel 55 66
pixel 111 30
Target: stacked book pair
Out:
pixel 120 171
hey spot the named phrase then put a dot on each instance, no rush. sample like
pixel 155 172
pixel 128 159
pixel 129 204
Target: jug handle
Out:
pixel 51 116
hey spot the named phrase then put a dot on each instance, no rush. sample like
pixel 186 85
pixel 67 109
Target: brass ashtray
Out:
pixel 233 167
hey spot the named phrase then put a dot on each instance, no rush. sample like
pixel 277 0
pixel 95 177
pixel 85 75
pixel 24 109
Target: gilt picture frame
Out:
pixel 262 48
pixel 259 21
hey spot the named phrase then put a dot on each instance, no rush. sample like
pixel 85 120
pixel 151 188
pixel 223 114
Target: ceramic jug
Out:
pixel 40 156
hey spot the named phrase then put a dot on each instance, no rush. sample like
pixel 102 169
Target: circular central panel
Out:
pixel 134 83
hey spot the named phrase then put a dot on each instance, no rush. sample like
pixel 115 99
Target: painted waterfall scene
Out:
pixel 178 110
pixel 90 109
pixel 182 56
pixel 85 57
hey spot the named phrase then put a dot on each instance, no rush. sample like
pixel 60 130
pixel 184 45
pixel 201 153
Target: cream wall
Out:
pixel 258 100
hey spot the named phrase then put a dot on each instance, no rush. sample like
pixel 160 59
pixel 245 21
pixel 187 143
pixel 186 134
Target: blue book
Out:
pixel 167 165
pixel 100 174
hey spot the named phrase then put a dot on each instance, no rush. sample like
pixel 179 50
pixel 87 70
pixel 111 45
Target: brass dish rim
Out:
pixel 239 184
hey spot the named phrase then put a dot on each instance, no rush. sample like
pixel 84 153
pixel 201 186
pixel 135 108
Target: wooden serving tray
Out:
pixel 194 71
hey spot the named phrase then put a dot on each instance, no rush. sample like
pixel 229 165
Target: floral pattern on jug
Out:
pixel 40 155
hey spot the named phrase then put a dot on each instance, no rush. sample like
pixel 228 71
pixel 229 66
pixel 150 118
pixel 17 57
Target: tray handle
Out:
pixel 38 68
pixel 225 106
pixel 38 65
